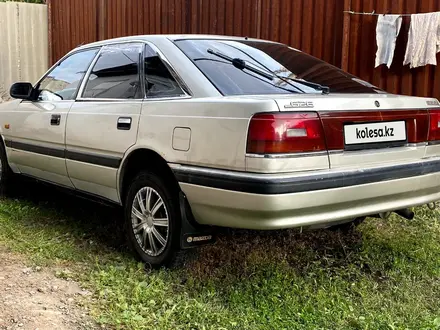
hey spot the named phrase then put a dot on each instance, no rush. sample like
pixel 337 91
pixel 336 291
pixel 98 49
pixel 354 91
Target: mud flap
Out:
pixel 193 234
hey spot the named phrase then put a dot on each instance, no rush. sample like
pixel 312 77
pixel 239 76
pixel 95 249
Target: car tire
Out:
pixel 6 174
pixel 152 227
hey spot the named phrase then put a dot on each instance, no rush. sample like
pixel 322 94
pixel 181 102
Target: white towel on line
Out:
pixel 387 30
pixel 423 40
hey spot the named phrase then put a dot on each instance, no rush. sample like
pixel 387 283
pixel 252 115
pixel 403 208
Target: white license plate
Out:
pixel 394 131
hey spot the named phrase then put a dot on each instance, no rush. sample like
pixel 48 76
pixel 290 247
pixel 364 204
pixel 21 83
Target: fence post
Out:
pixel 187 10
pixel 258 8
pixel 346 36
pixel 49 34
pixel 101 30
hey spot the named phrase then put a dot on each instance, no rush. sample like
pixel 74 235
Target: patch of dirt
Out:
pixel 34 298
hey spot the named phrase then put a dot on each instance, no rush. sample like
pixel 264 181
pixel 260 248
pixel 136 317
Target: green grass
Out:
pixel 382 275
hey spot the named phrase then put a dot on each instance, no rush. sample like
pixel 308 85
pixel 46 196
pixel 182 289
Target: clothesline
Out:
pixel 373 13
pixel 423 38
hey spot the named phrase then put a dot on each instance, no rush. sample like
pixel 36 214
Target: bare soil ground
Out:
pixel 35 298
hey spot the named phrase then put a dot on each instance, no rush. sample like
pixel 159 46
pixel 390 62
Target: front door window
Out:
pixel 63 81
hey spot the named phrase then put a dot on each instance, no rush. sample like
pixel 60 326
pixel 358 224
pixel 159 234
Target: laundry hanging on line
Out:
pixel 387 30
pixel 423 38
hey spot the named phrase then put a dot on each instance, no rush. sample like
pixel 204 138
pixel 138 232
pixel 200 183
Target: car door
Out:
pixel 103 122
pixel 37 128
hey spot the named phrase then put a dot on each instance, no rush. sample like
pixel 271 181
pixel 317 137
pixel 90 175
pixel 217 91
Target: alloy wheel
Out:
pixel 150 221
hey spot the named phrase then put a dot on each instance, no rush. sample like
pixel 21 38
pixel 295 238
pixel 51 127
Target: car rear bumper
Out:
pixel 268 201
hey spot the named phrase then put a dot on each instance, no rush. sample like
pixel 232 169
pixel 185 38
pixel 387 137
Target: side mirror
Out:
pixel 21 90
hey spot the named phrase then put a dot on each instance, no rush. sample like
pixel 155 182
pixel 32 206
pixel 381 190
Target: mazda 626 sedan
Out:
pixel 191 132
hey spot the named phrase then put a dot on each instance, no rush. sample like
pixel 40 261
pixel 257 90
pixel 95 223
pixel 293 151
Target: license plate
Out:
pixel 382 132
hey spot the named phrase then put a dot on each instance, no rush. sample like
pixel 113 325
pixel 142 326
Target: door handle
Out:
pixel 55 120
pixel 124 123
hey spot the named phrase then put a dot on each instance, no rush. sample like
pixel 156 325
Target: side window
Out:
pixel 116 74
pixel 159 82
pixel 63 81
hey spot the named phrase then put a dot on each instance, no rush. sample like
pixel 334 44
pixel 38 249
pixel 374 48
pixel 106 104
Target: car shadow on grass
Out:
pixel 235 248
pixel 240 253
pixel 99 222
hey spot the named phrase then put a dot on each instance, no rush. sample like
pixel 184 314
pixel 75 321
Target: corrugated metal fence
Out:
pixel 318 27
pixel 23 43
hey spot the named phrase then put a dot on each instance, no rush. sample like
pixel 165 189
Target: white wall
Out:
pixel 23 43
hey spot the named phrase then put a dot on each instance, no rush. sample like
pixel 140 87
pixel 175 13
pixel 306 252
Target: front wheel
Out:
pixel 152 220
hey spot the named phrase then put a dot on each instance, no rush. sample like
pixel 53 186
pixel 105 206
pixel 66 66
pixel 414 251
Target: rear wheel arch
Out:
pixel 140 160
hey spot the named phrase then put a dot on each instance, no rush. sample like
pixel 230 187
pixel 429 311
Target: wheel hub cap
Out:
pixel 149 220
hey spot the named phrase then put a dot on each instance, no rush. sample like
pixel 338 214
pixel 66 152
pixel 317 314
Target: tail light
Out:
pixel 434 125
pixel 285 133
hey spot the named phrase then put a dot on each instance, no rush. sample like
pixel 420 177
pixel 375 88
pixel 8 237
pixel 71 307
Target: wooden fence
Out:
pixel 318 27
pixel 315 26
pixel 359 49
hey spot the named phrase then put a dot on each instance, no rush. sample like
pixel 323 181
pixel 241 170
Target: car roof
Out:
pixel 173 37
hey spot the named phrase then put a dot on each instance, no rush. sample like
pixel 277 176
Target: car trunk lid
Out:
pixel 368 130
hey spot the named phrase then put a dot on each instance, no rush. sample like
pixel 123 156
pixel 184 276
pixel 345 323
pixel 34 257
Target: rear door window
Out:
pixel 159 82
pixel 116 74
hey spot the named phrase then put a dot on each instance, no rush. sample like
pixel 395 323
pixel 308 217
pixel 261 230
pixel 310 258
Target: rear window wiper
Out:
pixel 319 87
pixel 241 64
pixel 254 76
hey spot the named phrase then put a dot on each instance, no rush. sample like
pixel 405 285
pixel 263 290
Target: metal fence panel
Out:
pixel 23 43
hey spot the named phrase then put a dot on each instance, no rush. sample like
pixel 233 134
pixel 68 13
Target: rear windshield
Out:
pixel 213 58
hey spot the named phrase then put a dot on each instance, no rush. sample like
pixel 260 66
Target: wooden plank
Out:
pixel 346 36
